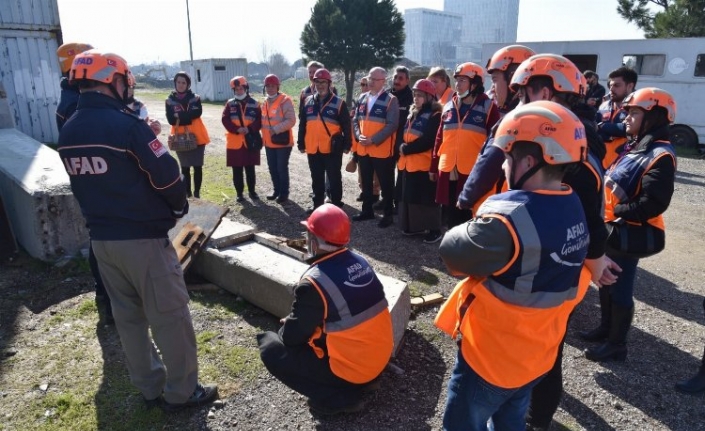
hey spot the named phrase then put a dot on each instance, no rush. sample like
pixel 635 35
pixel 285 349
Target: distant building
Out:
pixel 432 37
pixel 210 78
pixel 484 21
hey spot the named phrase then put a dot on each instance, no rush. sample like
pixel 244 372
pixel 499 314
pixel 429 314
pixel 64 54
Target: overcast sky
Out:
pixel 144 31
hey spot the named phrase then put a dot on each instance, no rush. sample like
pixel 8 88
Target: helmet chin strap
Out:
pixel 528 174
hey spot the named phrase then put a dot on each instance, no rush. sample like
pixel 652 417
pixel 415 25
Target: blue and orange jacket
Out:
pixel 236 114
pixel 125 180
pixel 373 121
pixel 187 112
pixel 313 137
pixel 612 130
pixel 512 321
pixel 418 139
pixel 356 333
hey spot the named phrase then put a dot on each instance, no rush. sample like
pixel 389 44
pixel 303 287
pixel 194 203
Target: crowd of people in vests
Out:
pixel 536 189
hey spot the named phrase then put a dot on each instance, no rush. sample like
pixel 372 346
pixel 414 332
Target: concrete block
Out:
pixel 279 243
pixel 231 232
pixel 45 216
pixel 267 277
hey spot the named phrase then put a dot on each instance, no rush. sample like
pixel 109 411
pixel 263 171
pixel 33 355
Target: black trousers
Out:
pixel 546 395
pixel 322 166
pixel 455 215
pixel 384 168
pixel 237 179
pixel 300 369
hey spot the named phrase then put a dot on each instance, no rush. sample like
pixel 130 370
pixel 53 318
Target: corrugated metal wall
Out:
pixel 29 36
pixel 215 75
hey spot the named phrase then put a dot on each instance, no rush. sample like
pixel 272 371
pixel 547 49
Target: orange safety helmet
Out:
pixel 427 86
pixel 555 128
pixel 323 74
pixel 505 57
pixel 98 66
pixel 68 51
pixel 329 223
pixel 564 73
pixel 650 97
pixel 468 69
pixel 239 81
pixel 272 79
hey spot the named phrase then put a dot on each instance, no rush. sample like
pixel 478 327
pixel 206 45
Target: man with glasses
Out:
pixel 375 125
pixel 403 93
pixel 375 182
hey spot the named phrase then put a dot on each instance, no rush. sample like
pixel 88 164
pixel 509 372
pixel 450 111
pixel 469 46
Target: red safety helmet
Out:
pixel 505 57
pixel 272 79
pixel 468 69
pixel 68 51
pixel 238 81
pixel 427 86
pixel 649 98
pixel 564 73
pixel 555 128
pixel 323 74
pixel 329 223
pixel 98 66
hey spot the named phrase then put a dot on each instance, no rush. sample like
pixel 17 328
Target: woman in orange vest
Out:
pixel 242 115
pixel 440 79
pixel 466 122
pixel 279 117
pixel 418 210
pixel 183 112
pixel 638 189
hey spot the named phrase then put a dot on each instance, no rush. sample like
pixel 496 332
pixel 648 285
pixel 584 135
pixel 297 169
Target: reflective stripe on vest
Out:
pixel 235 141
pixel 273 115
pixel 551 241
pixel 372 122
pixel 317 139
pixel 419 162
pixel 357 324
pixel 623 179
pixel 464 132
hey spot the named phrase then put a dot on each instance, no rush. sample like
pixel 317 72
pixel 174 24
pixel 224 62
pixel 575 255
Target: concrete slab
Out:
pixel 267 277
pixel 44 214
pixel 230 232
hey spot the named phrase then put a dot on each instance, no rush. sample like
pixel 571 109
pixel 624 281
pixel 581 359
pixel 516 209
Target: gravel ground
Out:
pixel 665 344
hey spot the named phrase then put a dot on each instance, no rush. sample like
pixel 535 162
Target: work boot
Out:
pixel 696 384
pixel 615 348
pixel 600 333
pixel 202 395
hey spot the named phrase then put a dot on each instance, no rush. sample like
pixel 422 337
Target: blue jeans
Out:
pixel 623 289
pixel 472 402
pixel 278 163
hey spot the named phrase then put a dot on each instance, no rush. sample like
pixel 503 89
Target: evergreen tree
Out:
pixel 353 35
pixel 679 18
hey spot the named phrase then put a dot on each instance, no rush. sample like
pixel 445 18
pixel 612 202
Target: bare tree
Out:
pixel 279 65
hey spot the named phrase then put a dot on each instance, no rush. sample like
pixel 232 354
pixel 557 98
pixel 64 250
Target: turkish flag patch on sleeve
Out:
pixel 157 148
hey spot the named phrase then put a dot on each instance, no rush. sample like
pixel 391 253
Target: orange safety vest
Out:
pixel 623 179
pixel 463 137
pixel 274 115
pixel 358 327
pixel 420 162
pixel 196 127
pixel 513 321
pixel 316 138
pixel 612 146
pixel 447 96
pixel 235 141
pixel 372 122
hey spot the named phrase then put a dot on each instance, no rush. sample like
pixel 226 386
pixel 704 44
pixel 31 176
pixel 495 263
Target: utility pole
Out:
pixel 188 20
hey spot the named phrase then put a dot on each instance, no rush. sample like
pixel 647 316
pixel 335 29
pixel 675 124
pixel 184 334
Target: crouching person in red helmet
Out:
pixel 338 337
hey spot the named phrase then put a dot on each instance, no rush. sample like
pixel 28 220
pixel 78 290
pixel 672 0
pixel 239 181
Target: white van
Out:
pixel 675 65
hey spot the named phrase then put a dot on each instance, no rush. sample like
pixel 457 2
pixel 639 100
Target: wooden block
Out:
pixel 426 300
pixel 200 222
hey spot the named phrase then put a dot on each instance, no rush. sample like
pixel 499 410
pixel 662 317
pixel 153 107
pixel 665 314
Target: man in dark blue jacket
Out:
pixel 131 193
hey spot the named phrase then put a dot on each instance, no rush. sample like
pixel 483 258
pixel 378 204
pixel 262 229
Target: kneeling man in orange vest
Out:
pixel 523 258
pixel 338 337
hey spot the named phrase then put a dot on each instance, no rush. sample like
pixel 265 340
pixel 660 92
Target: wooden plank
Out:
pixel 426 300
pixel 201 221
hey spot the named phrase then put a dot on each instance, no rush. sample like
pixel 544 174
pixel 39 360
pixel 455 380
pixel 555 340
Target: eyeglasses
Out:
pixel 362 84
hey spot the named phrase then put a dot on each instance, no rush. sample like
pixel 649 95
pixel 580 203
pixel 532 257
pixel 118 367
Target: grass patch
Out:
pixel 220 360
pixel 423 283
pixel 86 310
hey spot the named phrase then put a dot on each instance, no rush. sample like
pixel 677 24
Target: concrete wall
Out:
pixel 34 185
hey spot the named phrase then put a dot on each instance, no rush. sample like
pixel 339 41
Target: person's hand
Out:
pixel 364 140
pixel 242 130
pixel 432 176
pixel 610 273
pixel 601 270
pixel 282 320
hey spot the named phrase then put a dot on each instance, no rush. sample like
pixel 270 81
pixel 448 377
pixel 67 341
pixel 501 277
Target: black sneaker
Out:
pixel 201 396
pixel 282 200
pixel 272 196
pixel 240 198
pixel 432 237
pixel 362 217
pixel 254 196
